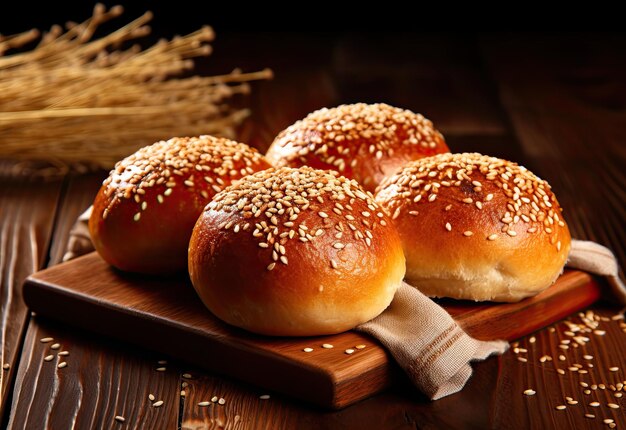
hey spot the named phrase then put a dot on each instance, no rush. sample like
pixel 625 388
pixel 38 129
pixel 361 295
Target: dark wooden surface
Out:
pixel 556 103
pixel 167 316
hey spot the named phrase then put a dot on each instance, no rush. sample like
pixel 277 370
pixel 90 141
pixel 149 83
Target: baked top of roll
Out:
pixel 362 141
pixel 476 227
pixel 146 209
pixel 295 252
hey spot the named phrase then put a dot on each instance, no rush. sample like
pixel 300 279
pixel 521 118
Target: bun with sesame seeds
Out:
pixel 366 142
pixel 145 210
pixel 476 227
pixel 295 252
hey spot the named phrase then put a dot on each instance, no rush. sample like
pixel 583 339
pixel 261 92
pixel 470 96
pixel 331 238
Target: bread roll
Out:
pixel 144 213
pixel 476 227
pixel 361 141
pixel 295 252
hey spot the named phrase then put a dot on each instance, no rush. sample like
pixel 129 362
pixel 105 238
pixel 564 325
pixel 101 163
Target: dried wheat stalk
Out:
pixel 73 99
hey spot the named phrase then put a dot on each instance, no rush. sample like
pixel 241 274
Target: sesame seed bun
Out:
pixel 361 141
pixel 145 210
pixel 295 252
pixel 476 227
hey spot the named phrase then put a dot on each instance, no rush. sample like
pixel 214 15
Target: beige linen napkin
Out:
pixel 426 342
pixel 422 337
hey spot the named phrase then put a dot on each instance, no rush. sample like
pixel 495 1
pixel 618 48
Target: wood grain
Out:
pixel 26 220
pixel 102 380
pixel 167 316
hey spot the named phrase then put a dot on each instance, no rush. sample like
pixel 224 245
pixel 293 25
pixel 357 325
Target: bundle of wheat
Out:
pixel 73 100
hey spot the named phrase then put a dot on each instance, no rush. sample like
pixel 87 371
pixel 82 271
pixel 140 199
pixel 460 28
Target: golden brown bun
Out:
pixel 361 141
pixel 144 213
pixel 295 252
pixel 476 227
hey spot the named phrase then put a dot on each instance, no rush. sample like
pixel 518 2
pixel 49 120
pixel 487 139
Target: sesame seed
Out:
pixel 614 369
pixel 187 375
pixel 264 396
pixel 594 404
pixel 214 399
pixel 307 349
pixel 221 401
pixel 137 216
pixel 167 192
pixel 55 346
pixel 511 233
pixel 271 266
pixel 467 233
pixel 599 332
pixel 120 418
pixel 522 359
pixel 46 339
pixel 560 407
pixel 62 364
pixel 158 403
pixel 327 346
pixel 608 421
pixel 151 397
pixel 530 392
pixel 590 416
pixel 183 393
pixel 338 245
pixel 361 346
pixel 160 369
pixel 468 200
pixel 204 403
pixel 560 371
pixel 532 339
pixel 323 214
pixel 159 198
pixel 349 351
pixel 613 405
pixel 448 226
pixel 492 236
pixel 48 357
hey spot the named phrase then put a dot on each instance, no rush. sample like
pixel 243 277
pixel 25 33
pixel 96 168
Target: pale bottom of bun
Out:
pixel 314 319
pixel 494 285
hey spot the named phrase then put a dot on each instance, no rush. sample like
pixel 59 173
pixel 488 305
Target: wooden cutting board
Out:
pixel 165 315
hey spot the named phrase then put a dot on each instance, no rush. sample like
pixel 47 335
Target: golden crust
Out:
pixel 361 141
pixel 310 263
pixel 145 210
pixel 476 227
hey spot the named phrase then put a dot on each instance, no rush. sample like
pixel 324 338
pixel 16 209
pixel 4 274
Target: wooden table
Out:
pixel 557 104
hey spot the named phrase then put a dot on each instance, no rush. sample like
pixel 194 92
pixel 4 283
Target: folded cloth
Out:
pixel 427 343
pixel 598 260
pixel 422 337
pixel 79 243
